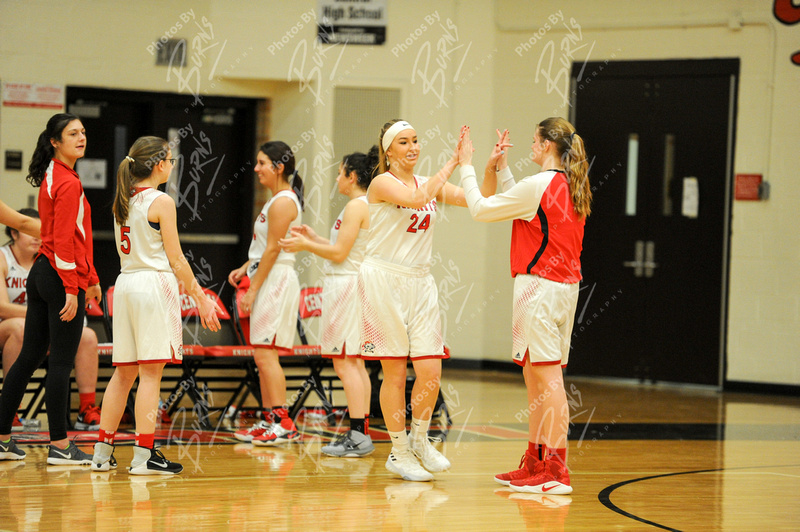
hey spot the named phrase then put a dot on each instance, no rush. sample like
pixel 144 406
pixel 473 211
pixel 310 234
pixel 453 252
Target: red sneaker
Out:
pixel 88 418
pixel 257 430
pixel 282 432
pixel 16 425
pixel 551 477
pixel 526 469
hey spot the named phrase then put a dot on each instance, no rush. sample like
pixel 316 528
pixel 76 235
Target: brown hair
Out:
pixel 44 150
pixel 570 148
pixel 382 166
pixel 281 153
pixel 145 153
pixel 364 165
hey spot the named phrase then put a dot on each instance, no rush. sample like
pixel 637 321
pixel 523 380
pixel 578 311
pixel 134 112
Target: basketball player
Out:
pixel 399 298
pixel 147 318
pixel 548 210
pixel 341 308
pixel 274 293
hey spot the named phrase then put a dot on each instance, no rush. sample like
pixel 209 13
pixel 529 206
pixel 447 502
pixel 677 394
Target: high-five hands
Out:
pixel 499 157
pixel 465 148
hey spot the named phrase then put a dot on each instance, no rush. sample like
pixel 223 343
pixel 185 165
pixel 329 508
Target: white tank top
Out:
pixel 402 235
pixel 261 229
pixel 352 263
pixel 139 244
pixel 16 278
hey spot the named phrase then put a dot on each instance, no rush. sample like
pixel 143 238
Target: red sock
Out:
pixel 87 400
pixel 281 415
pixel 106 437
pixel 558 454
pixel 145 440
pixel 536 449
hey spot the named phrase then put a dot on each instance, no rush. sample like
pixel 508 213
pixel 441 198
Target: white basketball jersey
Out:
pixel 352 263
pixel 139 244
pixel 261 229
pixel 402 235
pixel 16 278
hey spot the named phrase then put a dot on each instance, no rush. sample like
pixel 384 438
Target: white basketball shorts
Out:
pixel 543 314
pixel 341 317
pixel 273 320
pixel 400 312
pixel 147 319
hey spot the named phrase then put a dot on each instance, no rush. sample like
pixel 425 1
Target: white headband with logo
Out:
pixel 392 132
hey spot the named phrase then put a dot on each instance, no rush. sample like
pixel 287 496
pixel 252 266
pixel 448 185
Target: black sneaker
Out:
pixel 10 451
pixel 152 462
pixel 69 456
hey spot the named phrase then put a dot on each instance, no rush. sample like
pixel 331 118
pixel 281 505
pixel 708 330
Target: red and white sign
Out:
pixel 33 95
pixel 746 187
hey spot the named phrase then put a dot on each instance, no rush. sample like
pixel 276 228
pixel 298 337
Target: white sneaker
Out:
pixel 405 465
pixel 103 458
pixel 431 459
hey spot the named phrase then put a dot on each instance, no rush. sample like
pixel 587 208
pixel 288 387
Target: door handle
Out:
pixel 637 264
pixel 644 255
pixel 649 255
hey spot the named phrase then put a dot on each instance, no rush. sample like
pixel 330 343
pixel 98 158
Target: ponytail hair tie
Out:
pixel 129 159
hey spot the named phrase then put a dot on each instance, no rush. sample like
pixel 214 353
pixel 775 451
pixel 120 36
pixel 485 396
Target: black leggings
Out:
pixel 43 329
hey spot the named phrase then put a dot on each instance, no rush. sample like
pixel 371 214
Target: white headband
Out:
pixel 392 132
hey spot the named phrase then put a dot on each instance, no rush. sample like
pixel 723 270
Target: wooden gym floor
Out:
pixel 641 458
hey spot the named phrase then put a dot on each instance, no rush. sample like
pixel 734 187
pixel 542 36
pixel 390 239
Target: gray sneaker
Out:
pixel 10 451
pixel 351 445
pixel 69 456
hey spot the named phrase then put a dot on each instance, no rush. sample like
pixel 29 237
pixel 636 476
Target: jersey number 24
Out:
pixel 419 225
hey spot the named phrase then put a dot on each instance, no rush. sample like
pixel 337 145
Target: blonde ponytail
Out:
pixel 573 155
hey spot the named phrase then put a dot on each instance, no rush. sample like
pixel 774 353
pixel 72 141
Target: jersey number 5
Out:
pixel 417 225
pixel 125 246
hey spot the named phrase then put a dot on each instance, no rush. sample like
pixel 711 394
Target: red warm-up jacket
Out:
pixel 67 227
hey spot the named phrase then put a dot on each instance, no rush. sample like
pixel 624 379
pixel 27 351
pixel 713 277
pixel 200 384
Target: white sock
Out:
pixel 399 441
pixel 419 428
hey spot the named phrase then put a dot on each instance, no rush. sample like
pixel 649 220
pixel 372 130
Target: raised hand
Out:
pixel 465 148
pixel 499 156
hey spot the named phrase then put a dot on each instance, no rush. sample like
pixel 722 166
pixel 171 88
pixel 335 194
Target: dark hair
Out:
pixel 27 211
pixel 570 148
pixel 364 165
pixel 44 150
pixel 145 153
pixel 382 166
pixel 280 153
